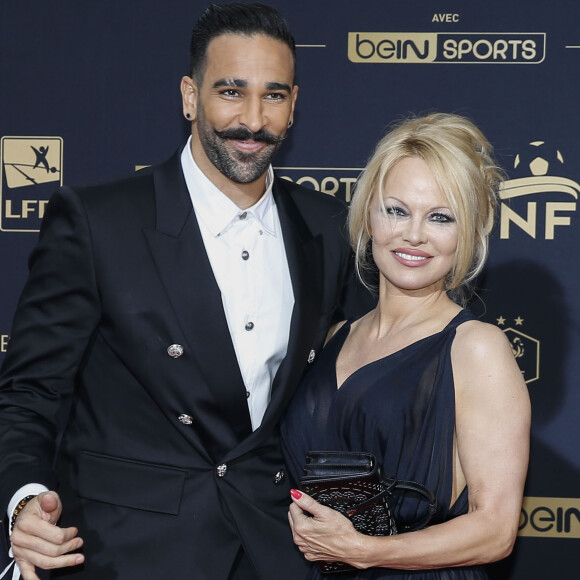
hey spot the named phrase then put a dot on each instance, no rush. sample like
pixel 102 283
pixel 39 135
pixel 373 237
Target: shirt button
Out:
pixel 245 255
pixel 249 326
pixel 221 470
pixel 243 215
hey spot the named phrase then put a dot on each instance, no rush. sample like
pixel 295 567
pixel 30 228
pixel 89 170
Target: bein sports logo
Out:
pixel 550 517
pixel 447 47
pixel 31 171
pixel 540 165
pixel 336 181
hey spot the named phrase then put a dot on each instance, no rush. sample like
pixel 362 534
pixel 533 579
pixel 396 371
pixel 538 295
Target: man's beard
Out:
pixel 239 166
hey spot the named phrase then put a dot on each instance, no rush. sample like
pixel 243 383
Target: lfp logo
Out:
pixel 31 168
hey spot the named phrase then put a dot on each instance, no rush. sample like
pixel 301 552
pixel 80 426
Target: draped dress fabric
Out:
pixel 401 408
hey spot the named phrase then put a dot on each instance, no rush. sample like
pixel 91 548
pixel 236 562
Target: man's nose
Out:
pixel 252 114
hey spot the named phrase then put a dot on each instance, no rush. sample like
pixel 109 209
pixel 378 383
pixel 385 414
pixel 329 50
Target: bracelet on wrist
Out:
pixel 20 506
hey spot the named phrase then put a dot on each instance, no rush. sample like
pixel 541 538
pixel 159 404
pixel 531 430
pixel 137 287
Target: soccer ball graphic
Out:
pixel 539 159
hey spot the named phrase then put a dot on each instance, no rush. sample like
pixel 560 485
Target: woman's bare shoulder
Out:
pixel 479 338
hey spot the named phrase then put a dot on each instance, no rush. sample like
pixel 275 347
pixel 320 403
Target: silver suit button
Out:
pixel 311 356
pixel 279 477
pixel 221 470
pixel 185 419
pixel 175 350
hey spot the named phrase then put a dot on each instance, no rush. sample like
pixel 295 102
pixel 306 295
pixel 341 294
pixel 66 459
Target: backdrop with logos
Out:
pixel 90 91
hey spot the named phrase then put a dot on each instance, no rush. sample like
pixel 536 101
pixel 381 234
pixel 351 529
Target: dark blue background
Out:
pixel 104 76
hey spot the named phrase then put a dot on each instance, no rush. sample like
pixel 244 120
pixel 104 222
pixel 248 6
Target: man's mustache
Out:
pixel 243 134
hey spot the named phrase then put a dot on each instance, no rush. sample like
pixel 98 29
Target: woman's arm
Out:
pixel 492 427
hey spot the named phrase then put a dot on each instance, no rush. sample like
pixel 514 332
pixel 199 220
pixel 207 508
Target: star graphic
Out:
pixel 519 321
pixel 501 321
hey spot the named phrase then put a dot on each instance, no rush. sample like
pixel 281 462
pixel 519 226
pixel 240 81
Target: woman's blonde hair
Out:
pixel 460 158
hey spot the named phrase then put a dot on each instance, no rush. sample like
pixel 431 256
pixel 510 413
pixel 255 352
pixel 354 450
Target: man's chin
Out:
pixel 253 165
pixel 243 179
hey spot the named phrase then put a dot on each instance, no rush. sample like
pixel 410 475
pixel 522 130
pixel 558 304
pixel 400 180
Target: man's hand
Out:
pixel 38 541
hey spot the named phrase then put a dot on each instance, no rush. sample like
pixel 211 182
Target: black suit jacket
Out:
pixel 120 273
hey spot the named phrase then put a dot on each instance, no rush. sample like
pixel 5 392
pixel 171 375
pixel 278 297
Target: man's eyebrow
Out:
pixel 278 87
pixel 230 83
pixel 243 84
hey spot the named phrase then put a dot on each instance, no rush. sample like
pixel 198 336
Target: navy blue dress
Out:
pixel 402 409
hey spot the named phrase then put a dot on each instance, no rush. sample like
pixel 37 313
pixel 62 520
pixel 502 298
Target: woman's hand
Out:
pixel 327 535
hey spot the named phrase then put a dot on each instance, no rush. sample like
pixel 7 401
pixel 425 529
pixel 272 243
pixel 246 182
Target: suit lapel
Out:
pixel 181 259
pixel 304 254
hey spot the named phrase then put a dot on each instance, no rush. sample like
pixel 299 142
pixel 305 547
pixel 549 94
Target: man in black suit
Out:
pixel 172 314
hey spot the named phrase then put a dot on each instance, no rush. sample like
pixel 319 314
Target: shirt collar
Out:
pixel 217 210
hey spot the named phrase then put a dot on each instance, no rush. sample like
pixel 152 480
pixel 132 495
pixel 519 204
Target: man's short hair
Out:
pixel 246 19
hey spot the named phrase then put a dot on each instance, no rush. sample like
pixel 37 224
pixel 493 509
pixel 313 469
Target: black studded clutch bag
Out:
pixel 353 484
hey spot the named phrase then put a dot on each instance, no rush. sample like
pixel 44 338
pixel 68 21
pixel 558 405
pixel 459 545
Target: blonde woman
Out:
pixel 434 393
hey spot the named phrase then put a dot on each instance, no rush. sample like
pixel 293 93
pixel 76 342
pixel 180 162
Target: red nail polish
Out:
pixel 295 494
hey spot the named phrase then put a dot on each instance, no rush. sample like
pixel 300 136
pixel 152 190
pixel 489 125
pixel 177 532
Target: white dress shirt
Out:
pixel 248 259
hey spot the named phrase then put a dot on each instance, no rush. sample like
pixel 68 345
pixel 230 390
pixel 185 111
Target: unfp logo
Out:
pixel 541 195
pixel 31 166
pixel 447 47
pixel 336 181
